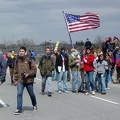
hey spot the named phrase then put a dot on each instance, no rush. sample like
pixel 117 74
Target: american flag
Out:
pixel 77 23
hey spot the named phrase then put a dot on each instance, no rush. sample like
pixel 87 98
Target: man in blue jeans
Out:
pixel 62 69
pixel 46 66
pixel 74 63
pixel 24 73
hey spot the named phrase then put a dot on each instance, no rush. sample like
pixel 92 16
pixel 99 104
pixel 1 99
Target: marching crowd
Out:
pixel 89 70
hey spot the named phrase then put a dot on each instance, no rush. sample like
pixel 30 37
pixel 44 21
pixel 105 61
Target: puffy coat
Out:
pixel 88 66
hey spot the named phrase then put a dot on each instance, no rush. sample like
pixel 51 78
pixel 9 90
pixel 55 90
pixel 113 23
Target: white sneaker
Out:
pixel 34 108
pixel 66 92
pixel 17 112
pixel 86 93
pixel 107 88
pixel 93 92
pixel 59 92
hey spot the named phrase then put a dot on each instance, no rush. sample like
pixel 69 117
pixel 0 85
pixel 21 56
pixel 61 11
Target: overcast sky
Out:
pixel 42 20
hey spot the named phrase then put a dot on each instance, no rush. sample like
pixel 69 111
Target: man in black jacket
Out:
pixel 10 63
pixel 62 69
pixel 88 44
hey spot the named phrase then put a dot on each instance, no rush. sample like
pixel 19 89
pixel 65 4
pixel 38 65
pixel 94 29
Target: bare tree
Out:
pixel 26 42
pixel 98 40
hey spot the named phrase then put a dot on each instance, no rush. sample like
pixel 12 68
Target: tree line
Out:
pixel 39 48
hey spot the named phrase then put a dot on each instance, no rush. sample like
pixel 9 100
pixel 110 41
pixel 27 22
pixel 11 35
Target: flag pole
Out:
pixel 68 30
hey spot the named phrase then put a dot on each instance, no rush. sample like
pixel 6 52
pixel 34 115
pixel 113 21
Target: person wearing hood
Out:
pixel 74 64
pixel 24 77
pixel 62 70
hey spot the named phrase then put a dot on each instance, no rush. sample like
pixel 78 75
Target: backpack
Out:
pixel 29 62
pixel 118 62
pixel 32 54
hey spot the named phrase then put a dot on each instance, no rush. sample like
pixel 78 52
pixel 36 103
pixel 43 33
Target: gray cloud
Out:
pixel 43 19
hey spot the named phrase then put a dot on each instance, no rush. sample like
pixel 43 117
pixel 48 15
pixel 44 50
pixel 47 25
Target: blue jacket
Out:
pixel 32 54
pixel 116 57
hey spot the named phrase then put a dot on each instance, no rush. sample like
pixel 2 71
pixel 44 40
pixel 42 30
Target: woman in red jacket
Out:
pixel 88 59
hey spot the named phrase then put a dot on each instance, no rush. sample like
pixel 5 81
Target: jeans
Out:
pixel 20 88
pixel 83 79
pixel 54 74
pixel 79 81
pixel 89 81
pixel 101 82
pixel 62 76
pixel 110 75
pixel 95 80
pixel 76 78
pixel 49 83
pixel 106 79
pixel 114 76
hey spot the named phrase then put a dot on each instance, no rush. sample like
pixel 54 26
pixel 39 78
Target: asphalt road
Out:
pixel 63 106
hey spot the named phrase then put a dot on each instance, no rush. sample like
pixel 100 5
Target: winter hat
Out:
pixel 108 39
pixel 114 38
pixel 88 48
pixel 73 50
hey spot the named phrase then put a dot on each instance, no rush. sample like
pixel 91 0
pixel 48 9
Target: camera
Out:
pixel 23 75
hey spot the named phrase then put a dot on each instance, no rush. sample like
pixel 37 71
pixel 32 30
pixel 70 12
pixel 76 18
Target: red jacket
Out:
pixel 88 66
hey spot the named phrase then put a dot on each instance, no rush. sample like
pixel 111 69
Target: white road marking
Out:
pixel 3 104
pixel 94 96
pixel 106 100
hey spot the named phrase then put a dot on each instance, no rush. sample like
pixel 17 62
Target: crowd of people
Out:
pixel 89 70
